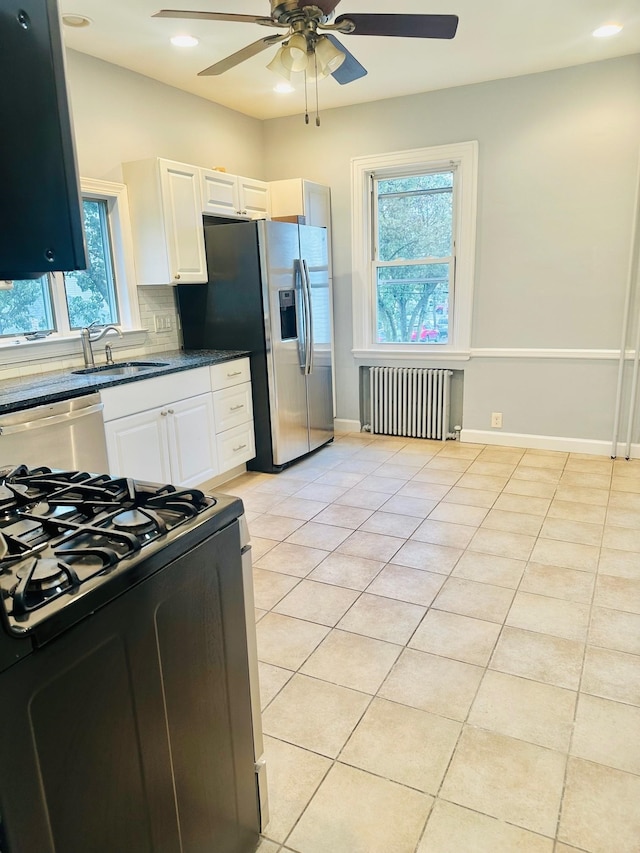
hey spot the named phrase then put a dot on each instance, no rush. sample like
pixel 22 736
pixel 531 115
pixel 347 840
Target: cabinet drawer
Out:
pixel 232 406
pixel 230 373
pixel 235 446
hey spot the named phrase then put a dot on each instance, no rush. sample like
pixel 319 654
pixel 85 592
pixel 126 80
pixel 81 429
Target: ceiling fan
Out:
pixel 306 47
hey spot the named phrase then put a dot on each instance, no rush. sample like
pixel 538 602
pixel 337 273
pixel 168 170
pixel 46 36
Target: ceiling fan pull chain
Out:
pixel 306 100
pixel 315 60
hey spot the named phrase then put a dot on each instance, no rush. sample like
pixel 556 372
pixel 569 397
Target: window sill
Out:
pixel 18 350
pixel 390 356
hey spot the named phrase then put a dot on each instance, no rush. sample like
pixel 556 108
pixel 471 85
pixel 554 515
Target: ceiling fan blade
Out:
pixel 210 16
pixel 327 6
pixel 240 56
pixel 350 69
pixel 407 26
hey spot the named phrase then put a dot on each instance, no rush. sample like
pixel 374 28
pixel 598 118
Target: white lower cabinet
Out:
pixel 193 438
pixel 235 446
pixel 137 447
pixel 235 441
pixel 171 444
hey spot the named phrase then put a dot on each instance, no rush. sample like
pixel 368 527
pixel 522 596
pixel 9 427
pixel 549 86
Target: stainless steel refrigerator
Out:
pixel 268 292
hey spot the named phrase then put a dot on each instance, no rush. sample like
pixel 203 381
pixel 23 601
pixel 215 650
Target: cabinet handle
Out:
pixel 235 408
pixel 170 411
pixel 177 276
pixel 164 414
pixel 231 375
pixel 239 447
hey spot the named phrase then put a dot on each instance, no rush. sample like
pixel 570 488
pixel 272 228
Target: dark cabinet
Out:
pixel 40 209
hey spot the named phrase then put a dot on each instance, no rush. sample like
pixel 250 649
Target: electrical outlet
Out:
pixel 496 420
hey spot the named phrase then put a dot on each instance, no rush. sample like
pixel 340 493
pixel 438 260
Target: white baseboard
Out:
pixel 545 442
pixel 345 425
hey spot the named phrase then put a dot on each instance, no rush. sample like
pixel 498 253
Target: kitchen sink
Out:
pixel 123 368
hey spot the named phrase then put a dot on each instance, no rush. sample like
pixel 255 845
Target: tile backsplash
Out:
pixel 153 301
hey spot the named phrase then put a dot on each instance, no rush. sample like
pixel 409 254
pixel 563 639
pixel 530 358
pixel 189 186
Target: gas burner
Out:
pixel 139 522
pixel 46 575
pixel 12 496
pixel 40 580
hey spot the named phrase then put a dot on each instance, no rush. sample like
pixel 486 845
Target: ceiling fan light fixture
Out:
pixel 183 41
pixel 607 30
pixel 278 67
pixel 294 53
pixel 328 56
pixel 77 21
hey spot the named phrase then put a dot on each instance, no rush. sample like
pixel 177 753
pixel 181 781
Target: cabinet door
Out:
pixel 192 444
pixel 137 447
pixel 219 193
pixel 253 197
pixel 180 186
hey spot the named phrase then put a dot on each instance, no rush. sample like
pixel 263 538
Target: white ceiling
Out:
pixel 495 39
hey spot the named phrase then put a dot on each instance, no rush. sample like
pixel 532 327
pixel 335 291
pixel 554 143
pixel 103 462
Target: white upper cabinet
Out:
pixel 299 197
pixel 234 196
pixel 166 221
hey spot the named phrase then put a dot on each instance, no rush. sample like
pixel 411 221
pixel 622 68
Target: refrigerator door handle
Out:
pixel 301 314
pixel 309 305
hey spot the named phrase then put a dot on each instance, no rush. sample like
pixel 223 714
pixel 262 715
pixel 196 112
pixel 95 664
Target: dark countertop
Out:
pixel 25 392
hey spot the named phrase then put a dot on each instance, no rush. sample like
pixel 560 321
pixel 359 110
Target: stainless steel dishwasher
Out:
pixel 68 434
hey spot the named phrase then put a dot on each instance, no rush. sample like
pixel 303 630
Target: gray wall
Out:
pixel 558 159
pixel 119 115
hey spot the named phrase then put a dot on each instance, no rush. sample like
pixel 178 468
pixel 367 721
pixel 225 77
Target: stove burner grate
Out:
pixel 59 529
pixel 41 580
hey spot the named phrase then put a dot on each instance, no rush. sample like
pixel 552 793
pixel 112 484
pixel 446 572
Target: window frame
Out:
pixel 463 159
pixel 64 341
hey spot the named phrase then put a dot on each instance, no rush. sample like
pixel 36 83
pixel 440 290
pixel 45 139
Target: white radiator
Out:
pixel 411 401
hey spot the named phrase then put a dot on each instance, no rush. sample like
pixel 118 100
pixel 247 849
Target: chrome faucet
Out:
pixel 89 336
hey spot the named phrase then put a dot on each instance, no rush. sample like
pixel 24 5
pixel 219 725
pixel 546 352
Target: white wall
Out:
pixel 558 160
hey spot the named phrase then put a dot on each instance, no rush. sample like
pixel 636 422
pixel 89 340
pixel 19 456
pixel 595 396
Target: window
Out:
pixel 413 245
pixel 60 304
pixel 413 257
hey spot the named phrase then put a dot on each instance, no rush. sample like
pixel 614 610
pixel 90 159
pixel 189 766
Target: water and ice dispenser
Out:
pixel 288 319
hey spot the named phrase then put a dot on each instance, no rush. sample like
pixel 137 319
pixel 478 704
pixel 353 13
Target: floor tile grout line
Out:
pixel 578 693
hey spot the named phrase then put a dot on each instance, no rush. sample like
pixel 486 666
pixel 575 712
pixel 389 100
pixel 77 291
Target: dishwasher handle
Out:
pixel 50 420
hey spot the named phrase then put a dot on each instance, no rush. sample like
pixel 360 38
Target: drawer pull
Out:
pixel 235 408
pixel 239 447
pixel 236 373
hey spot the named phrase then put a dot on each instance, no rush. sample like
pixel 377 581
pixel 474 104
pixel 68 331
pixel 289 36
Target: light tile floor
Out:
pixel 449 644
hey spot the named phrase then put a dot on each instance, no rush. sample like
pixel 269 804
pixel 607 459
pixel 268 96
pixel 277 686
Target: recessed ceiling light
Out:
pixel 77 21
pixel 184 41
pixel 607 30
pixel 283 88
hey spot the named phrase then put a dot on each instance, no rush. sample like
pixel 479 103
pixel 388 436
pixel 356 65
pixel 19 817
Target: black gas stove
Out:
pixel 126 667
pixel 66 534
